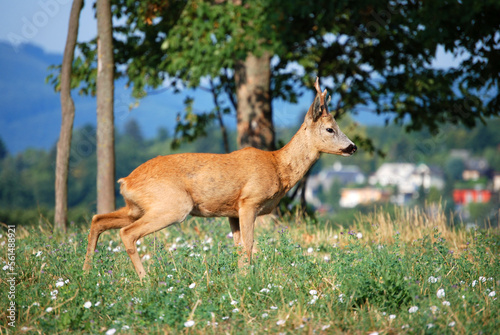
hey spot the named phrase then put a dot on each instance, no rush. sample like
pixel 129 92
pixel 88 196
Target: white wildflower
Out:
pixel 482 279
pixel 430 325
pixel 341 297
pixel 236 310
pixel 264 315
pixel 360 236
pixel 189 323
pixel 313 292
pixel 446 303
pixel 181 296
pixel 5 267
pixel 264 290
pixel 374 333
pixel 125 327
pixel 280 322
pixel 234 302
pixel 111 331
pixel 49 309
pixel 392 317
pixel 440 293
pixel 274 307
pixel 434 309
pixel 325 327
pixel 310 250
pixel 492 294
pixel 413 309
pixel 38 254
pixel 192 285
pixel 432 280
pixel 451 324
pixel 474 282
pixel 60 284
pixel 97 303
pixel 87 304
pixel 146 257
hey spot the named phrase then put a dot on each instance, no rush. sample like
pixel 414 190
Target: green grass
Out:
pixel 344 284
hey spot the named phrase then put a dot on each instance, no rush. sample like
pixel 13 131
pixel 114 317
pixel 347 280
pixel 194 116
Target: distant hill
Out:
pixel 30 112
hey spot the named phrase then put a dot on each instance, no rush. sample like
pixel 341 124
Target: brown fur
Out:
pixel 240 185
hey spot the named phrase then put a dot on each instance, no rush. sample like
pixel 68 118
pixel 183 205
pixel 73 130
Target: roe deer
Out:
pixel 240 185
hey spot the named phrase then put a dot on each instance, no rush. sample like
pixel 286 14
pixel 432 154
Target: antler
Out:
pixel 318 90
pixel 316 86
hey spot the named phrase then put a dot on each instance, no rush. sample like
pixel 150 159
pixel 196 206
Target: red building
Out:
pixel 464 197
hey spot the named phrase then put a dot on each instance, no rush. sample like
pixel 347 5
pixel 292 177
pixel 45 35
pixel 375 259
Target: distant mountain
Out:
pixel 30 111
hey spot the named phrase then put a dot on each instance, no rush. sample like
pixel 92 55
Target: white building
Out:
pixel 408 178
pixel 344 174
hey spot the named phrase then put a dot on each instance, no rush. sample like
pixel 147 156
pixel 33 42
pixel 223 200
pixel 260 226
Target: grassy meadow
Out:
pixel 404 273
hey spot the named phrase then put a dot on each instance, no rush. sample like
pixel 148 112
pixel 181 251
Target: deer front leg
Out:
pixel 247 222
pixel 235 229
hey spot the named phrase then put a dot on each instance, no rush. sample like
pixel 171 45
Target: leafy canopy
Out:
pixel 373 55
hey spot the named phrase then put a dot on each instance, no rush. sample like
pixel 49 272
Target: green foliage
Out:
pixel 3 150
pixel 360 287
pixel 192 127
pixel 482 212
pixel 378 55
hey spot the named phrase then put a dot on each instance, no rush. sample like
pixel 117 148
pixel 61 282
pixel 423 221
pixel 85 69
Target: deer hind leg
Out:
pixel 151 221
pixel 101 223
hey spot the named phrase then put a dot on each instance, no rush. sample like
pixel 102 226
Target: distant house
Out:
pixel 408 178
pixel 475 168
pixel 467 196
pixel 343 174
pixel 351 197
pixel 496 182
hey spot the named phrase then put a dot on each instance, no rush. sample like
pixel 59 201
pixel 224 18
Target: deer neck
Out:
pixel 296 158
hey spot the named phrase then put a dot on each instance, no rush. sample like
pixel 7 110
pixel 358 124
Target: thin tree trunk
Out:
pixel 254 113
pixel 68 115
pixel 105 121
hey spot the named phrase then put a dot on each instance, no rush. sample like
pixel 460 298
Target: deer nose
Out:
pixel 350 149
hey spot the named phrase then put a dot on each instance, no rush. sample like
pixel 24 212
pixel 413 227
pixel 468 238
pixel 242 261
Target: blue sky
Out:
pixel 43 23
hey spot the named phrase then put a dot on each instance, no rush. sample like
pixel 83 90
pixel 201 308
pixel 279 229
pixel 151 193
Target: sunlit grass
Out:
pixel 406 273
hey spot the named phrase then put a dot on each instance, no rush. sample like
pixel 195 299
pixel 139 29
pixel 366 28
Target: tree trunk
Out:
pixel 68 115
pixel 105 121
pixel 254 113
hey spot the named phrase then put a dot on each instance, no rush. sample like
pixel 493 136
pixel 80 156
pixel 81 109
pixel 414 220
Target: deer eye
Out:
pixel 330 130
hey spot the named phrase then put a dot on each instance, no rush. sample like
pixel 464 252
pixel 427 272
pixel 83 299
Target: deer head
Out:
pixel 323 131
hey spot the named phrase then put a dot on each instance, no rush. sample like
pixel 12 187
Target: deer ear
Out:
pixel 316 109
